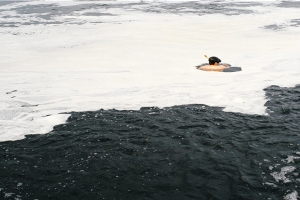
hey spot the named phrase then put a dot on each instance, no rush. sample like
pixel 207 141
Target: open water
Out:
pixel 181 152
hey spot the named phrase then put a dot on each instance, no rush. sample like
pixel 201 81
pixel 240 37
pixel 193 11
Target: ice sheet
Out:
pixel 134 59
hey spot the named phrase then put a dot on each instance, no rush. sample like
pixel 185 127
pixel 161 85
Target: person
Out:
pixel 214 64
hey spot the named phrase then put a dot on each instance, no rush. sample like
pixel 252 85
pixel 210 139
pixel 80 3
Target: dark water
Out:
pixel 180 152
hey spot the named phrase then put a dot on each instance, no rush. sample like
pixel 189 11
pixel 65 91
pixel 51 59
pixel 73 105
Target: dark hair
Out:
pixel 213 59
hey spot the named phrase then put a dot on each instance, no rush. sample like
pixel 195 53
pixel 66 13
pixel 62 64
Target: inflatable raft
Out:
pixel 222 67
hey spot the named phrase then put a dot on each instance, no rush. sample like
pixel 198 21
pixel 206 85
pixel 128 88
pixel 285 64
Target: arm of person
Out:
pixel 225 64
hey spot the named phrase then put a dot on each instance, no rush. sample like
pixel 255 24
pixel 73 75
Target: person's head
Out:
pixel 212 60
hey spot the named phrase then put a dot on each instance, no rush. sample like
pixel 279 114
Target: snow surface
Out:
pixel 135 59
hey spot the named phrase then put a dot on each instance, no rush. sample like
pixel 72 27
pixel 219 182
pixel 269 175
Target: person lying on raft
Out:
pixel 214 65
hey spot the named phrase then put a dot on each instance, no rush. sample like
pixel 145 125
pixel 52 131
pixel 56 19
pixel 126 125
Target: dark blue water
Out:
pixel 179 152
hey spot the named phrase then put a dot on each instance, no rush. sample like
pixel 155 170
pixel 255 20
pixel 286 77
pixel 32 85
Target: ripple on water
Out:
pixel 179 152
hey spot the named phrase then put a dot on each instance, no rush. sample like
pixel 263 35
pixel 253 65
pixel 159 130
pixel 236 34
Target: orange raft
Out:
pixel 218 68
